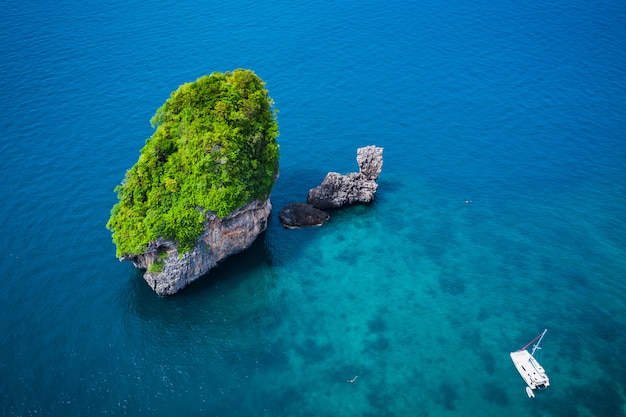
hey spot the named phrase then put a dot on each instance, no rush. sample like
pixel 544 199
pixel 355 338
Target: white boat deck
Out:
pixel 529 369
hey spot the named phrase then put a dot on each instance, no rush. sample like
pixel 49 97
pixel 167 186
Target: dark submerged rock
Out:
pixel 298 215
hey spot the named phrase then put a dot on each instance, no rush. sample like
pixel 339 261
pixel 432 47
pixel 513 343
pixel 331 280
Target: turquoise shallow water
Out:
pixel 516 107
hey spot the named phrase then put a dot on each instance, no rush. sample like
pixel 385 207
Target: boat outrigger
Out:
pixel 529 369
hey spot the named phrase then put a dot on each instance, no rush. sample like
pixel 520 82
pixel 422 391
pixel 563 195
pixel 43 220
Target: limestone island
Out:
pixel 200 190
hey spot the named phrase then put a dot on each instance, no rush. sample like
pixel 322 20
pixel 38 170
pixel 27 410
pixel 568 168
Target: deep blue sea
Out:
pixel 516 106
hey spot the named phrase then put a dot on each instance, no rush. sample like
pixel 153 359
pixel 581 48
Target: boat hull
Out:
pixel 530 370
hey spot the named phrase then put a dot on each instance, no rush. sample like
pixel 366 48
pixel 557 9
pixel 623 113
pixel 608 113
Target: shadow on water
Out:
pixel 234 269
pixel 448 396
pixel 452 283
pixel 495 395
pixel 379 399
pixel 377 345
pixel 489 361
pixel 377 324
pixel 287 245
pixel 258 255
pixel 240 293
pixel 315 351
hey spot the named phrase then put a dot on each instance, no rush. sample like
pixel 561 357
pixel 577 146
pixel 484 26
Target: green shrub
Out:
pixel 214 149
pixel 156 267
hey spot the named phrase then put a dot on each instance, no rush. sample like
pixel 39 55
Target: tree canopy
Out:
pixel 213 150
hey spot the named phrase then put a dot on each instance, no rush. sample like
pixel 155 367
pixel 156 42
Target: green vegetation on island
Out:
pixel 214 149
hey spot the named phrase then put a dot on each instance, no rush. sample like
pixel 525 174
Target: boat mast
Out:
pixel 537 345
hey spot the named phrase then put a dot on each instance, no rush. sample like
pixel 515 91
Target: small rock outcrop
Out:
pixel 339 190
pixel 167 271
pixel 298 215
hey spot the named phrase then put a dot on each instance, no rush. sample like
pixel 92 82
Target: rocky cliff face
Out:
pixel 339 190
pixel 220 239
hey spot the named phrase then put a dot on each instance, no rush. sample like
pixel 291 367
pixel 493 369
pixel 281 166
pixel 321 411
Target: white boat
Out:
pixel 529 369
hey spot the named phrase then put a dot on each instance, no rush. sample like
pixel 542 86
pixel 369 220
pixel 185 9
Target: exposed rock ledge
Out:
pixel 336 191
pixel 220 239
pixel 357 187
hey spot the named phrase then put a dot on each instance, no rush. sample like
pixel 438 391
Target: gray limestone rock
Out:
pixel 339 190
pixel 370 160
pixel 220 239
